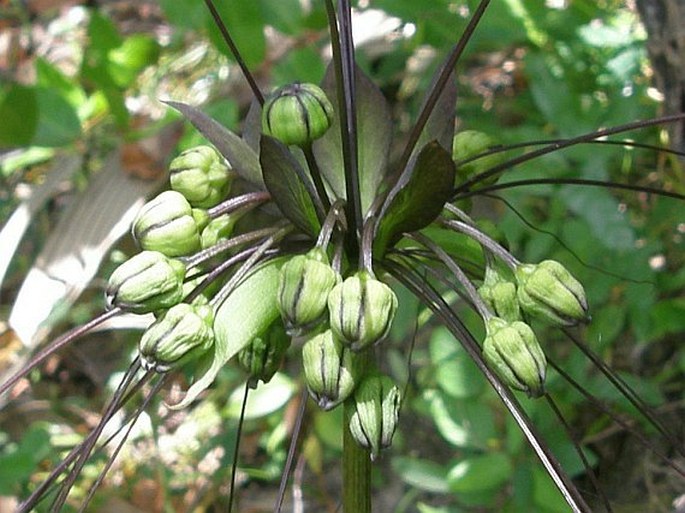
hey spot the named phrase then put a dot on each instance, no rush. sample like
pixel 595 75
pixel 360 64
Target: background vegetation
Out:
pixel 80 91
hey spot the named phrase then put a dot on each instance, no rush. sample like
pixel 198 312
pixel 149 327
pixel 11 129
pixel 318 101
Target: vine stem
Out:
pixel 356 463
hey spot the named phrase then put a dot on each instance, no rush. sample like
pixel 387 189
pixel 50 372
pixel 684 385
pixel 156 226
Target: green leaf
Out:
pixel 245 22
pixel 19 115
pixel 18 462
pixel 127 61
pixel 245 314
pixel 455 372
pixel 281 172
pixel 242 158
pixel 49 76
pixel 266 399
pixel 58 123
pixel 374 134
pixel 601 210
pixel 668 317
pixel 422 474
pixel 418 196
pixel 462 423
pixel 480 473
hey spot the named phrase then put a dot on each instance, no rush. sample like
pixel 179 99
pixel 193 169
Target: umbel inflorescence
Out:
pixel 289 240
pixel 336 301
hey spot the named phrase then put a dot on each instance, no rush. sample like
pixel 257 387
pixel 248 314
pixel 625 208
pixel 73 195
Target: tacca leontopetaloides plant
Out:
pixel 347 225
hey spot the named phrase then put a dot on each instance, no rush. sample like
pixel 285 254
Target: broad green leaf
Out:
pixel 602 213
pixel 423 474
pixel 284 15
pixel 188 15
pixel 19 115
pixel 280 171
pixel 50 76
pixel 266 399
pixel 480 473
pixel 455 372
pixel 242 158
pixel 418 196
pixel 245 22
pixel 58 123
pixel 462 423
pixel 374 134
pixel 244 315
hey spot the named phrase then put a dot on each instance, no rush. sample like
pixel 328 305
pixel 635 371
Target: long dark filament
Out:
pixel 434 96
pixel 56 345
pixel 236 447
pixel 406 275
pixel 287 469
pixel 579 451
pixel 343 60
pixel 103 473
pixel 234 50
pixel 565 143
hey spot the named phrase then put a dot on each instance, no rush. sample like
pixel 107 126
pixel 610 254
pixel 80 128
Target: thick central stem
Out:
pixel 356 461
pixel 356 470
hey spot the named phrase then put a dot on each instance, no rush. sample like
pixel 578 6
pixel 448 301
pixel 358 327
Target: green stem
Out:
pixel 356 470
pixel 356 462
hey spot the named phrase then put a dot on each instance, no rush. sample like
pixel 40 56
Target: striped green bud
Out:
pixel 263 356
pixel 361 310
pixel 179 334
pixel 377 403
pixel 500 295
pixel 303 288
pixel 329 369
pixel 146 282
pixel 297 114
pixel 201 175
pixel 166 224
pixel 549 292
pixel 512 350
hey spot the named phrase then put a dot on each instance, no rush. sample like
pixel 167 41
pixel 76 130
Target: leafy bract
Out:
pixel 284 177
pixel 418 196
pixel 242 158
pixel 245 314
pixel 374 134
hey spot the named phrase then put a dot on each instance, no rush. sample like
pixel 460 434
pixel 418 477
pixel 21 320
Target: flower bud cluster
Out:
pixel 544 291
pixel 174 224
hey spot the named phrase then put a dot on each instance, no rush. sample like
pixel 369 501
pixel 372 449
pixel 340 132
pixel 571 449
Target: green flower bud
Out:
pixel 376 411
pixel 500 295
pixel 262 357
pixel 512 350
pixel 361 310
pixel 219 229
pixel 201 175
pixel 303 288
pixel 166 224
pixel 297 114
pixel 146 282
pixel 329 369
pixel 548 291
pixel 182 332
pixel 469 143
